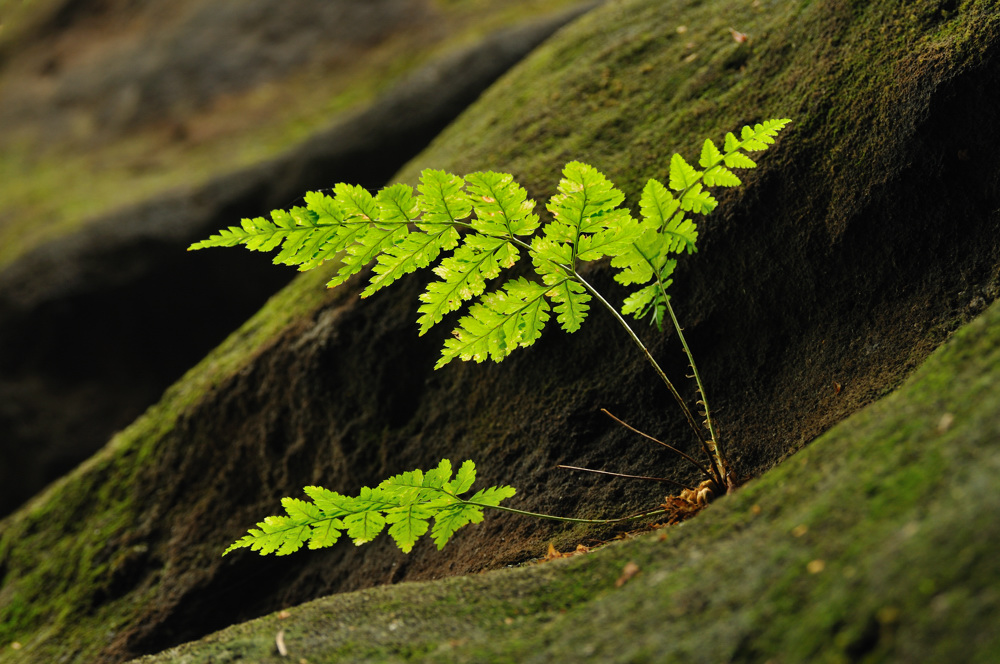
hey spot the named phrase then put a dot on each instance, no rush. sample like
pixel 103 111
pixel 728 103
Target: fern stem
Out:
pixel 567 519
pixel 629 477
pixel 717 456
pixel 652 361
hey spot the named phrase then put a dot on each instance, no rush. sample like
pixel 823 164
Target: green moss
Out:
pixel 635 83
pixel 82 521
pixel 873 544
pixel 44 197
pixel 889 499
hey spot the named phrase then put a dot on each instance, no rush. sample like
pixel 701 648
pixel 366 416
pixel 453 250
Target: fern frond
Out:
pixel 464 275
pixel 405 502
pixel 500 322
pixel 586 204
pixel 485 220
pixel 502 206
pixel 667 230
pixel 571 307
pixel 257 234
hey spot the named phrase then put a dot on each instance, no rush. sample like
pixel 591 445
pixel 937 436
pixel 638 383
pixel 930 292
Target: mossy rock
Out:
pixel 119 281
pixel 866 237
pixel 876 543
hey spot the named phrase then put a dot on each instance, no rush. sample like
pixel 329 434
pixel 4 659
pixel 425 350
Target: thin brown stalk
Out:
pixel 631 477
pixel 660 442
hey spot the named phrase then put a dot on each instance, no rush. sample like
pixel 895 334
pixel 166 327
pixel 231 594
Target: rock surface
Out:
pixel 876 543
pixel 96 324
pixel 865 238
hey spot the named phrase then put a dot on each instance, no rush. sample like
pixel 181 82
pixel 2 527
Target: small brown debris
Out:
pixel 837 387
pixel 800 530
pixel 816 566
pixel 756 510
pixel 284 614
pixel 554 554
pixel 738 37
pixel 630 570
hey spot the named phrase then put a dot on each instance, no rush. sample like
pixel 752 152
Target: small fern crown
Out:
pixel 485 223
pixel 405 502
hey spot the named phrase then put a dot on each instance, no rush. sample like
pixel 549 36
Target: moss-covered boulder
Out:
pixel 876 543
pixel 866 237
pixel 84 298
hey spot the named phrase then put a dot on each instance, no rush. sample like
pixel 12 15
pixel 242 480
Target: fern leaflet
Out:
pixel 406 503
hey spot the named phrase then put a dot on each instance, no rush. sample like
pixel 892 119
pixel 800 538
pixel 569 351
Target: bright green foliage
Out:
pixel 405 503
pixel 487 223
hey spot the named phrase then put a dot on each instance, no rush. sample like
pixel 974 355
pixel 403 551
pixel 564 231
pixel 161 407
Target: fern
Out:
pixel 487 223
pixel 484 224
pixel 405 503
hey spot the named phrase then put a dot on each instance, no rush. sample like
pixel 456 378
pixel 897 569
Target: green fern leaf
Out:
pixel 325 533
pixel 682 174
pixel 679 234
pixel 584 195
pixel 453 518
pixel 660 209
pixel 571 304
pixel 357 202
pixel 638 302
pixel 732 144
pixel 666 231
pixel 364 524
pixel 282 535
pixel 710 155
pixel 621 232
pixel 369 243
pixel 586 204
pixel 257 234
pixel 416 250
pixel 696 199
pixel 493 496
pixel 720 176
pixel 499 323
pixel 657 204
pixel 739 160
pixel 463 276
pixel 331 503
pixel 402 232
pixel 322 239
pixel 442 200
pixel 464 479
pixel 405 502
pixel 440 476
pixel 502 206
pixel 408 523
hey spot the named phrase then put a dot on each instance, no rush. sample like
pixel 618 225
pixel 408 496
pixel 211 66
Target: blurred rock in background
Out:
pixel 130 129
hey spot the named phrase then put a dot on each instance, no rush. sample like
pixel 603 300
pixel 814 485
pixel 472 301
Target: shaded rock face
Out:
pixel 101 59
pixel 866 236
pixel 94 326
